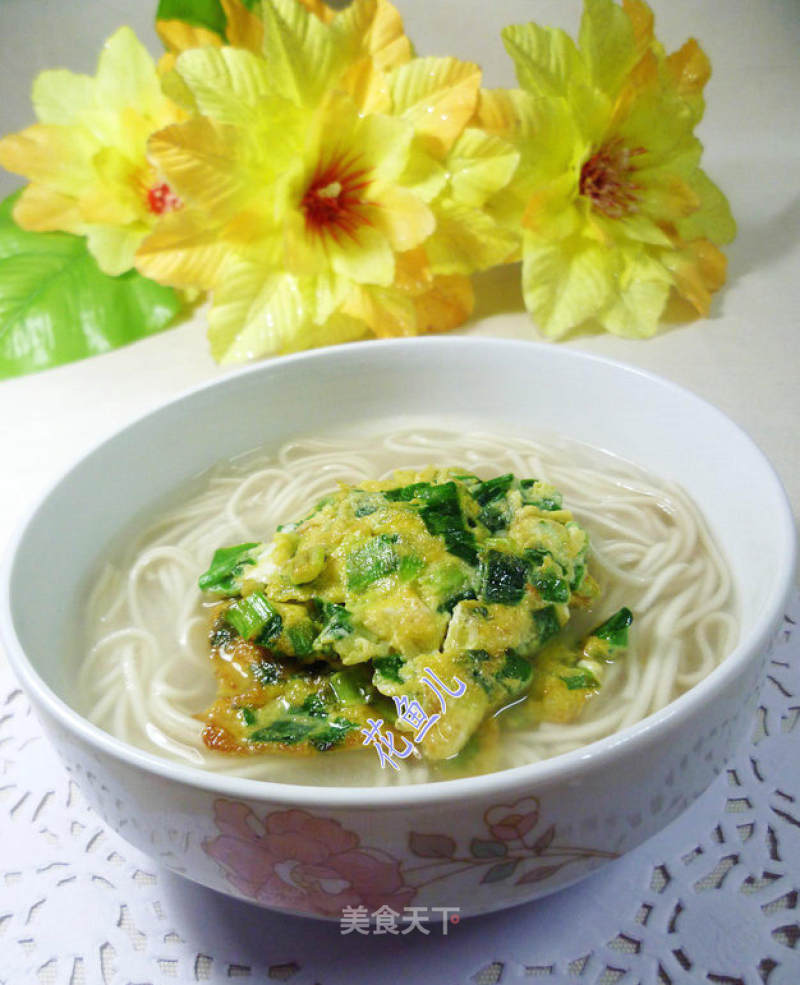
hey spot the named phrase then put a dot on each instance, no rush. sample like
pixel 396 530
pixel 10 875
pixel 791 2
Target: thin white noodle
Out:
pixel 146 674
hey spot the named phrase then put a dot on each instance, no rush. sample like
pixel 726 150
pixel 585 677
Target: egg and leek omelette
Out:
pixel 404 613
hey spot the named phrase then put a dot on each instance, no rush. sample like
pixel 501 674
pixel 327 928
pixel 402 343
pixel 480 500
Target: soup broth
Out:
pixel 147 676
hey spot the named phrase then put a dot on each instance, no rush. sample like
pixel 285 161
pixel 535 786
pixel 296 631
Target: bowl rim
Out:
pixel 432 793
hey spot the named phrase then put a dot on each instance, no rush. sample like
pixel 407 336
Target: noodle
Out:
pixel 147 671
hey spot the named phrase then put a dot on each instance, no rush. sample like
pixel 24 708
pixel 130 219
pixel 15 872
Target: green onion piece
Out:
pixel 374 559
pixel 351 686
pixel 249 615
pixel 313 706
pixel 410 567
pixel 496 516
pixel 450 583
pixel 615 629
pixel 332 735
pixel 221 634
pixel 287 730
pixel 426 491
pixel 515 667
pixel 475 660
pixel 466 595
pixel 338 624
pixel 550 586
pixel 443 518
pixel 546 622
pixel 441 514
pixel 580 680
pixel 503 578
pixel 577 580
pixel 535 556
pixel 322 735
pixel 301 638
pixel 492 489
pixel 265 672
pixel 226 566
pixel 366 503
pixel 531 496
pixel 271 629
pixel 467 479
pixel 389 667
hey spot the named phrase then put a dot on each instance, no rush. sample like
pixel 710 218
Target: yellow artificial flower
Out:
pixel 614 209
pixel 456 169
pixel 86 158
pixel 381 45
pixel 242 30
pixel 331 187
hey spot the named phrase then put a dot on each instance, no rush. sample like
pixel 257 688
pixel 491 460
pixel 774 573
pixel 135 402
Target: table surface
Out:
pixel 744 358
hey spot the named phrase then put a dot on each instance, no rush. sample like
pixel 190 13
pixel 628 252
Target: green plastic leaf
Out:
pixel 199 13
pixel 57 306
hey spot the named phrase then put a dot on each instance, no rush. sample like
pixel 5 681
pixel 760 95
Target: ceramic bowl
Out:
pixel 480 843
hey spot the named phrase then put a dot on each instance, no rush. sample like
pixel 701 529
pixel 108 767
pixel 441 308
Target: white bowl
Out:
pixel 312 850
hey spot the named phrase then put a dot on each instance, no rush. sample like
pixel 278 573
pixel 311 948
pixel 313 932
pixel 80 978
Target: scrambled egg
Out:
pixel 425 603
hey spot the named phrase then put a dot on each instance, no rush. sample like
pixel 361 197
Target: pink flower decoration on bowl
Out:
pixel 507 822
pixel 294 860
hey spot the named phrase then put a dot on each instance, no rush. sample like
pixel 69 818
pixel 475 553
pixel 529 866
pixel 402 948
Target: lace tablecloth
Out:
pixel 713 898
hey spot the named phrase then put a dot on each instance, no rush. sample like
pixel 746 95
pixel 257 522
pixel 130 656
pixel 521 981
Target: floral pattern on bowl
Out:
pixel 517 836
pixel 295 860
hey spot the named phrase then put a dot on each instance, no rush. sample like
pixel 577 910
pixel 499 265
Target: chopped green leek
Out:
pixel 503 578
pixel 373 559
pixel 249 615
pixel 226 565
pixel 615 629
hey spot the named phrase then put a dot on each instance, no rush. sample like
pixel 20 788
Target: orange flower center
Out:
pixel 607 179
pixel 161 199
pixel 334 202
